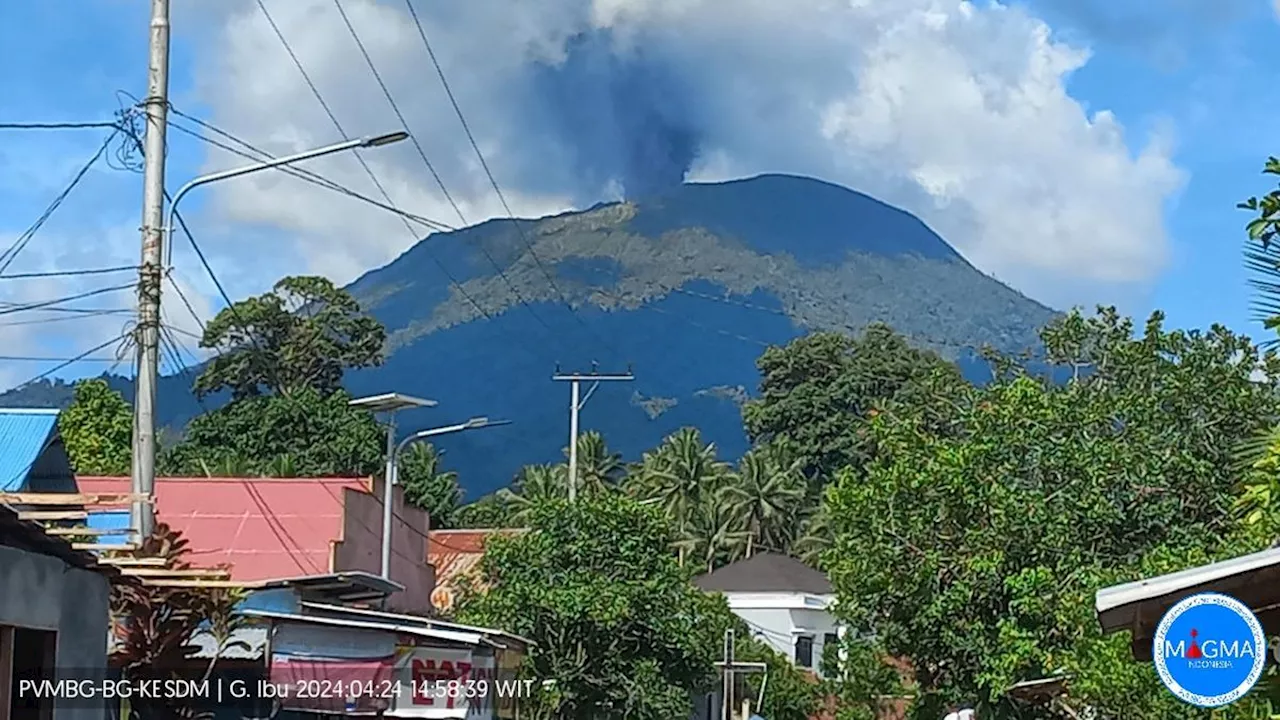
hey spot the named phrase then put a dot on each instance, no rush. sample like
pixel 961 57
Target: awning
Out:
pixel 1138 606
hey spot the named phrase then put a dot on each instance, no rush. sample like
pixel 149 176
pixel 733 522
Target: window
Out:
pixel 26 655
pixel 804 651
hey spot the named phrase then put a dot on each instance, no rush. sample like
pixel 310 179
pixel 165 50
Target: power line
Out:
pixel 299 173
pixel 431 168
pixel 382 190
pixel 396 109
pixel 35 358
pixel 70 273
pixel 444 81
pixel 7 257
pixel 15 308
pixel 80 316
pixel 56 125
pixel 81 357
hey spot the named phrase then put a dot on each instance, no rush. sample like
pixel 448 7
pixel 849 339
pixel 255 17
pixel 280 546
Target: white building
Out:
pixel 785 603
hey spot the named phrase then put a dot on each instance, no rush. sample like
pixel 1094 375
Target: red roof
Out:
pixel 455 553
pixel 265 528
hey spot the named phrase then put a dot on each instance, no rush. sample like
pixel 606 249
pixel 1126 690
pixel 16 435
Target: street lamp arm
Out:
pixel 472 424
pixel 366 142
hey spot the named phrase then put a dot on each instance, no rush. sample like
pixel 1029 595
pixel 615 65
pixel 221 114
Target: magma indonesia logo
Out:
pixel 1209 650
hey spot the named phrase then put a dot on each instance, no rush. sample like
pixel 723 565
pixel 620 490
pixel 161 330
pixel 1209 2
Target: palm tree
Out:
pixel 712 535
pixel 766 497
pixel 598 469
pixel 428 485
pixel 534 485
pixel 680 473
pixel 814 539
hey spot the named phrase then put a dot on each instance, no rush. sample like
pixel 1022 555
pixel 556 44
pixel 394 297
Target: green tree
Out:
pixel 817 393
pixel 490 511
pixel 97 429
pixel 976 553
pixel 766 496
pixel 679 475
pixel 616 622
pixel 302 334
pixel 428 485
pixel 320 434
pixel 599 468
pixel 536 485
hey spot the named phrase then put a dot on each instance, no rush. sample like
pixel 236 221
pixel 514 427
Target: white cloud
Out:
pixel 953 110
pixel 53 331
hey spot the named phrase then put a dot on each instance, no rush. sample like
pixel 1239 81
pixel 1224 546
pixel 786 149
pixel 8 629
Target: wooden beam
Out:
pixel 72 499
pixel 87 532
pixel 125 547
pixel 134 562
pixel 53 515
pixel 211 584
pixel 175 574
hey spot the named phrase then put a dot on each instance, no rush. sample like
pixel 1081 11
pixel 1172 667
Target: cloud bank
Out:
pixel 956 111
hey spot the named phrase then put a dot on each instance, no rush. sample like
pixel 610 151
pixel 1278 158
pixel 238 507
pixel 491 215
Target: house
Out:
pixel 54 615
pixel 34 457
pixel 1252 579
pixel 316 635
pixel 786 603
pixel 267 529
pixel 454 555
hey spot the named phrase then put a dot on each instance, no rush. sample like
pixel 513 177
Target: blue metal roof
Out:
pixel 109 520
pixel 25 433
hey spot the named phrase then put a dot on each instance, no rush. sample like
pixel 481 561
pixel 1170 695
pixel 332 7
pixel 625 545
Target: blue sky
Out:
pixel 1186 86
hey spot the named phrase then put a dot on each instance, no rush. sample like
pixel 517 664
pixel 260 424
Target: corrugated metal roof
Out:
pixel 1116 605
pixel 24 434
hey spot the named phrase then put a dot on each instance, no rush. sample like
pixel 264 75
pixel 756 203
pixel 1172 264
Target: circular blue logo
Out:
pixel 1209 650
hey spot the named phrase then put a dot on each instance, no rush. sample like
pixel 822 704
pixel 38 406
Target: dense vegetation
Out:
pixel 687 288
pixel 966 528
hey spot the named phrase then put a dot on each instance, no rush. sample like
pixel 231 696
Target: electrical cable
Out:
pixel 8 256
pixel 453 281
pixel 422 33
pixel 70 273
pixel 56 125
pixel 395 107
pixel 70 361
pixel 15 308
pixel 299 173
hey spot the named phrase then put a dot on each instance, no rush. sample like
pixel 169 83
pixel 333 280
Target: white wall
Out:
pixel 779 619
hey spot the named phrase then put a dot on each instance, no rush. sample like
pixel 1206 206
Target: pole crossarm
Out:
pixel 576 403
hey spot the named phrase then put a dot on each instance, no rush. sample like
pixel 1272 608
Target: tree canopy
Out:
pixel 304 333
pixel 97 429
pixel 818 391
pixel 975 554
pixel 303 434
pixel 616 622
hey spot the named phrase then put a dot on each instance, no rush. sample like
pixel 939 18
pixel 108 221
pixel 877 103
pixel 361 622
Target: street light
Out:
pixel 143 473
pixel 389 403
pixel 371 141
pixel 393 470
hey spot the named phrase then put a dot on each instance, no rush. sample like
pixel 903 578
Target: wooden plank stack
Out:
pixel 64 515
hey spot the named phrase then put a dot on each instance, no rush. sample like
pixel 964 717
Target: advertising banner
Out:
pixel 331 686
pixel 437 682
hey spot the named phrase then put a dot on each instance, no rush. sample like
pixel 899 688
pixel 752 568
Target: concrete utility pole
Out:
pixel 575 404
pixel 150 274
